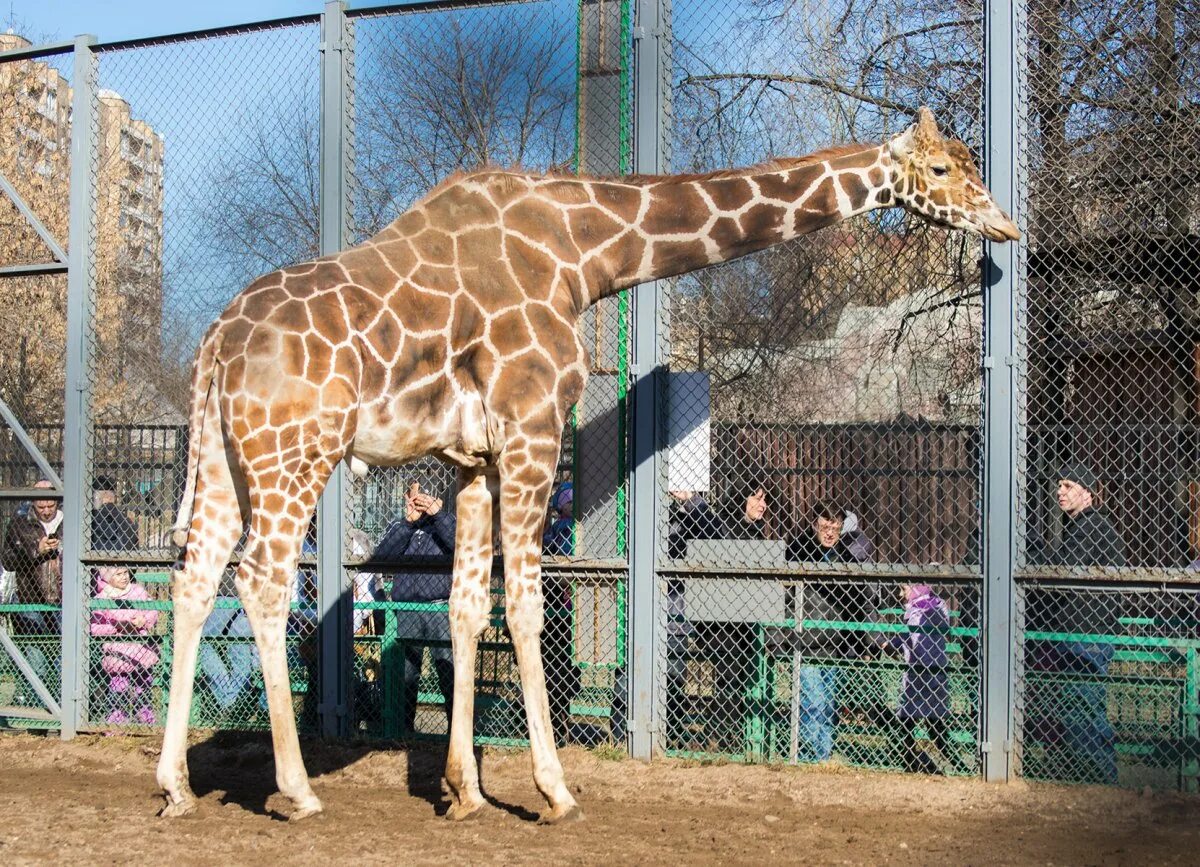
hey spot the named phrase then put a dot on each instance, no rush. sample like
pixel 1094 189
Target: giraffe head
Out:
pixel 936 178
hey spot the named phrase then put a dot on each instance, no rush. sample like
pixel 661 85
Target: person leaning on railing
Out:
pixel 832 537
pixel 1070 715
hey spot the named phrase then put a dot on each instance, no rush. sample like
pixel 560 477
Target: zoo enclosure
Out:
pixel 933 384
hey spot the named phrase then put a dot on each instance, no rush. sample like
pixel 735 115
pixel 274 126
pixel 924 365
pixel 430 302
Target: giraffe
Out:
pixel 453 333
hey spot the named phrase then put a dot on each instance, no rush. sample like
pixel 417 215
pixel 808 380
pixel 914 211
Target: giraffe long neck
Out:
pixel 685 223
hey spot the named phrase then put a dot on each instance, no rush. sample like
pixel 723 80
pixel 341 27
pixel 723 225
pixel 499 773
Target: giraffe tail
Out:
pixel 202 388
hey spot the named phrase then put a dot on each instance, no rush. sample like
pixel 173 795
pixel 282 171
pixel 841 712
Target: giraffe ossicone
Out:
pixel 453 333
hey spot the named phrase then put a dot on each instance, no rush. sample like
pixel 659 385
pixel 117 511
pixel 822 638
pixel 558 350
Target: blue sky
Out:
pixel 130 19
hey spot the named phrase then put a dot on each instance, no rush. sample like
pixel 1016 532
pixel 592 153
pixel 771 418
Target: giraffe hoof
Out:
pixel 310 807
pixel 178 810
pixel 463 812
pixel 573 813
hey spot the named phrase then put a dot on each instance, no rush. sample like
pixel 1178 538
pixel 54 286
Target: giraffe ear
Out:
pixel 903 144
pixel 921 134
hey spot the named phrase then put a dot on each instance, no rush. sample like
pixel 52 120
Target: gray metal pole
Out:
pixel 27 443
pixel 651 20
pixel 78 387
pixel 333 610
pixel 1000 403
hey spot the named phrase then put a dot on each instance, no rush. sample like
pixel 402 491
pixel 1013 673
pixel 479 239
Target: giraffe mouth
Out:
pixel 1000 229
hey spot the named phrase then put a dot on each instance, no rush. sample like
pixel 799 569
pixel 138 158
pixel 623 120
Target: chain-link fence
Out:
pixel 822 554
pixel 1108 393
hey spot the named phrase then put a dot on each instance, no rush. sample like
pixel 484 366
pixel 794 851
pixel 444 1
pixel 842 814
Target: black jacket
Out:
pixel 428 536
pixel 39 575
pixel 694 519
pixel 112 530
pixel 844 599
pixel 1088 539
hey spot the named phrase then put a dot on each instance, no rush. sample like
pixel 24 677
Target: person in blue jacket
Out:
pixel 426 531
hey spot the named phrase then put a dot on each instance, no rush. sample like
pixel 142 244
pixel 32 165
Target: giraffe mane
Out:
pixel 512 176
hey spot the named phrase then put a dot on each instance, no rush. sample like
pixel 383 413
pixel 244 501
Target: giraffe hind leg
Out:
pixel 217 520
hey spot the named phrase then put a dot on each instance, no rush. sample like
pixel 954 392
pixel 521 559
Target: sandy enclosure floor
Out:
pixel 94 800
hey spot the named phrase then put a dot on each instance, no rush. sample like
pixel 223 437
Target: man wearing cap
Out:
pixel 1068 705
pixel 111 528
pixel 1089 538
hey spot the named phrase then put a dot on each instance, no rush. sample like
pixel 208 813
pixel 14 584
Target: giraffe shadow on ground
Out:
pixel 240 767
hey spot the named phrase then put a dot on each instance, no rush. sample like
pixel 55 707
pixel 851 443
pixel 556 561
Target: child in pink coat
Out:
pixel 129 664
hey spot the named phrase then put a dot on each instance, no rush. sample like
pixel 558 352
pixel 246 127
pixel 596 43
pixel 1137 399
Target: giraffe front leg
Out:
pixel 526 476
pixel 470 605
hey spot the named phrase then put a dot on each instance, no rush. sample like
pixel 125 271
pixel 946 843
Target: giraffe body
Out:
pixel 453 333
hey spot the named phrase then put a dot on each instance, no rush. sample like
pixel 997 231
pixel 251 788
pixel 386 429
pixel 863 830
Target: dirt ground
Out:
pixel 94 801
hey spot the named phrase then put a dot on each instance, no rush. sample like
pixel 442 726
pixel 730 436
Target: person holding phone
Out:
pixel 33 550
pixel 426 531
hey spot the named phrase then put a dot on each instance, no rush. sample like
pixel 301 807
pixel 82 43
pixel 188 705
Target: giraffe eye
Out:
pixel 939 171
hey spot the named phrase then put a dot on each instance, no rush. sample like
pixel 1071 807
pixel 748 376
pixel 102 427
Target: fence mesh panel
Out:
pixel 35 144
pixel 1108 685
pixel 868 673
pixel 844 368
pixel 205 177
pixel 543 85
pixel 823 407
pixel 1109 403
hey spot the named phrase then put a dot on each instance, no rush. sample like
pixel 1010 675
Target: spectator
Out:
pixel 129 664
pixel 833 537
pixel 690 517
pixel 228 662
pixel 558 658
pixel 1070 715
pixel 745 512
pixel 925 685
pixel 559 538
pixel 425 530
pixel 33 551
pixel 111 528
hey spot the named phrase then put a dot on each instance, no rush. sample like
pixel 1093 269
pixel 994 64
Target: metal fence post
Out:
pixel 78 392
pixel 651 23
pixel 333 611
pixel 1000 399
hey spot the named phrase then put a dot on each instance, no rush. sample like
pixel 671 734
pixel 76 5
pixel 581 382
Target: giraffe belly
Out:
pixel 464 437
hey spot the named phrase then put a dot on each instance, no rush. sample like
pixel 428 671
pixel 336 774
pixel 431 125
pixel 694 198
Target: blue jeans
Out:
pixel 1088 737
pixel 818 710
pixel 227 671
pixel 1073 721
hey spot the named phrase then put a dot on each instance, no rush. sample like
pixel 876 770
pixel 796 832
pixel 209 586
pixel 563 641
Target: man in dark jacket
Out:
pixel 426 531
pixel 111 528
pixel 33 551
pixel 830 539
pixel 1067 695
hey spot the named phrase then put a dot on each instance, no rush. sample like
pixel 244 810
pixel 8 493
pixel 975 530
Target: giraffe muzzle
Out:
pixel 1000 228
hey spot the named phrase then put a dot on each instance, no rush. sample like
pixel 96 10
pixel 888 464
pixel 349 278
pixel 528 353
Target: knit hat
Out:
pixel 1079 473
pixel 103 483
pixel 564 497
